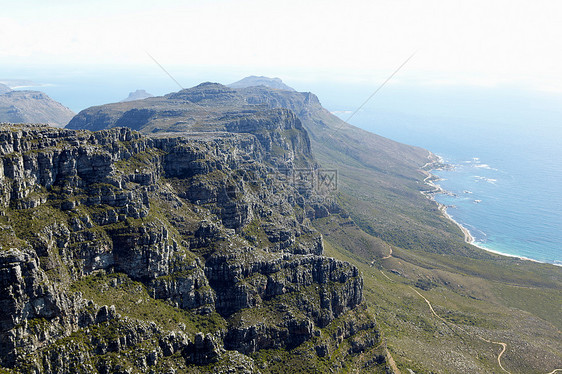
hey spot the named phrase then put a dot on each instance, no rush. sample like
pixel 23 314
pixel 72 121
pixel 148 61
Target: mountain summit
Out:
pixel 253 81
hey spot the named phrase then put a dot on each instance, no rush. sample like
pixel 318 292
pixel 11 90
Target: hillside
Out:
pixel 388 170
pixel 172 253
pixel 32 107
pixel 400 240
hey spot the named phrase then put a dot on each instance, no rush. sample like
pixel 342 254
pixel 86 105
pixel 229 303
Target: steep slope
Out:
pixel 399 239
pixel 32 107
pixel 378 177
pixel 176 252
pixel 400 232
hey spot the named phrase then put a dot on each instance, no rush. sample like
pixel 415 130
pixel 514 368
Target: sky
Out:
pixel 483 43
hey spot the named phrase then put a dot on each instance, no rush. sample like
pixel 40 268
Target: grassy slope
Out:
pixel 379 179
pixel 479 294
pixel 506 300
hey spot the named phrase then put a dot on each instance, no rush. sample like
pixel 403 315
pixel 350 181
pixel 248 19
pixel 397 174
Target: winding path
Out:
pixel 504 345
pixel 389 255
pixel 468 238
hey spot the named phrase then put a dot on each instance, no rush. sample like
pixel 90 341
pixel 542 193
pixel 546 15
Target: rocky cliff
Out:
pixel 373 172
pixel 124 253
pixel 210 106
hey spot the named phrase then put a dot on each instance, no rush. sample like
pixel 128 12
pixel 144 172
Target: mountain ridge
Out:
pixel 381 188
pixel 253 80
pixel 32 107
pixel 258 152
pixel 137 95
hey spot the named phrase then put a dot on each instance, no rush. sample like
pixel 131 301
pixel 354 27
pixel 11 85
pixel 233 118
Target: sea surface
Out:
pixel 505 180
pixel 504 143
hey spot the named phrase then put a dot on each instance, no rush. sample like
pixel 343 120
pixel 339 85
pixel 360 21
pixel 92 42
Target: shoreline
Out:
pixel 435 160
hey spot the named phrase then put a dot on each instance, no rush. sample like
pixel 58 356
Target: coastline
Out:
pixel 437 163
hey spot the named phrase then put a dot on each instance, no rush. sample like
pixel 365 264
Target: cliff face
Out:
pixel 210 106
pixel 126 253
pixel 207 108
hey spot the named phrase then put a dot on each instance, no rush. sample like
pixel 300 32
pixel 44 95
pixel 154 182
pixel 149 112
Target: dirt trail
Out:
pixel 389 255
pixel 387 277
pixel 391 362
pixel 382 258
pixel 504 345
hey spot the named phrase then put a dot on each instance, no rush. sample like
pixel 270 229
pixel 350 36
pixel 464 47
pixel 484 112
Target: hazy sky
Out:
pixel 476 42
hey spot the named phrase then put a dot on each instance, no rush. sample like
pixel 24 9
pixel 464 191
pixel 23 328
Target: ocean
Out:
pixel 504 143
pixel 505 180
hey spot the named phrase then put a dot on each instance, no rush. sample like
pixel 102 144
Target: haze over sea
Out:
pixel 505 143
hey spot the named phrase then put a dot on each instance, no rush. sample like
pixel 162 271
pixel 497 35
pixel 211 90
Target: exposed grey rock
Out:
pixel 204 222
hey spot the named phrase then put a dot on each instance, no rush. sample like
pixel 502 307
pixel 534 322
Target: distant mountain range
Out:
pixel 137 95
pixel 31 107
pixel 255 81
pixel 4 89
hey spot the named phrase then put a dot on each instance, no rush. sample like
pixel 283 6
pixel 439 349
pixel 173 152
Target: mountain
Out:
pixel 389 169
pixel 411 255
pixel 173 252
pixel 255 81
pixel 137 95
pixel 4 89
pixel 32 107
